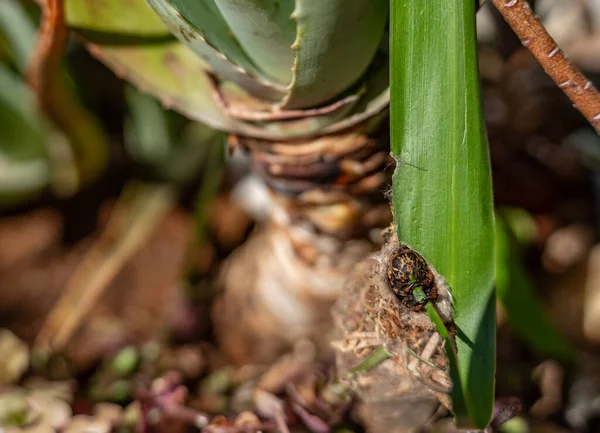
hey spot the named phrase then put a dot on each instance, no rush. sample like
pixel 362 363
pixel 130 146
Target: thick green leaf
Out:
pixel 442 194
pixel 18 31
pixel 116 23
pixel 265 31
pixel 174 154
pixel 24 163
pixel 147 135
pixel 201 27
pixel 523 310
pixel 336 41
pixel 324 59
pixel 135 43
pixel 138 47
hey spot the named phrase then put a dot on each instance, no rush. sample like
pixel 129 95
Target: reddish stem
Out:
pixel 43 69
pixel 87 138
pixel 566 75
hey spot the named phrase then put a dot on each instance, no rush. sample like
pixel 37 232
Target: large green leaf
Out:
pixel 18 31
pixel 261 47
pixel 318 58
pixel 442 194
pixel 336 41
pixel 200 26
pixel 24 163
pixel 266 31
pixel 133 41
pixel 171 150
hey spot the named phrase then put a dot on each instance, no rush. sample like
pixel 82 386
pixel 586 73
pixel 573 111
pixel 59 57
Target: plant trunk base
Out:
pixel 279 289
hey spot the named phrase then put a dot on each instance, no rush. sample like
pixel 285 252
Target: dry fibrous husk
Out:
pixel 331 183
pixel 411 389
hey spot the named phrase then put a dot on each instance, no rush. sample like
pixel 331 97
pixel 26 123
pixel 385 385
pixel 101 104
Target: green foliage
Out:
pixel 133 41
pixel 34 154
pixel 176 150
pixel 295 53
pixel 516 294
pixel 442 194
pixel 26 168
pixel 18 31
pixel 23 156
pixel 172 147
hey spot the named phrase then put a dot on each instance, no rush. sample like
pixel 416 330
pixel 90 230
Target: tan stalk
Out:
pixel 135 217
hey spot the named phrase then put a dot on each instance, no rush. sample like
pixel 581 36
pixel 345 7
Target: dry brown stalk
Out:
pixel 566 75
pixel 134 218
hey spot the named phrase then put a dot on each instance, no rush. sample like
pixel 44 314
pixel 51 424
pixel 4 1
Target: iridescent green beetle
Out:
pixel 407 271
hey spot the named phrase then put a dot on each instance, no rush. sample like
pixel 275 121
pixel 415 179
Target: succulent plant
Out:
pixel 301 86
pixel 275 69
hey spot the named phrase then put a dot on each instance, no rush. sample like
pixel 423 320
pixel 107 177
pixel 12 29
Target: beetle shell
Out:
pixel 407 271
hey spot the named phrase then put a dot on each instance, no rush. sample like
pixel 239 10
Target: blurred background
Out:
pixel 114 227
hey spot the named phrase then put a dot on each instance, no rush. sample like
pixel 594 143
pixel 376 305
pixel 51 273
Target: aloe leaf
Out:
pixel 111 22
pixel 336 41
pixel 24 163
pixel 265 31
pixel 442 193
pixel 147 134
pixel 152 139
pixel 132 40
pixel 201 27
pixel 516 294
pixel 138 47
pixel 18 31
pixel 328 58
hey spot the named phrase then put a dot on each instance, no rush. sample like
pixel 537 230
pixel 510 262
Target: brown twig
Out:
pixel 566 75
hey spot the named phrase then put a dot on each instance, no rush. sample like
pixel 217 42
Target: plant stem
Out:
pixel 87 138
pixel 566 75
pixel 43 68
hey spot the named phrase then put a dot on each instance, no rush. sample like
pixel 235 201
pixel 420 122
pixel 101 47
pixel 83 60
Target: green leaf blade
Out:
pixel 524 311
pixel 24 161
pixel 18 31
pixel 265 31
pixel 335 43
pixel 442 191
